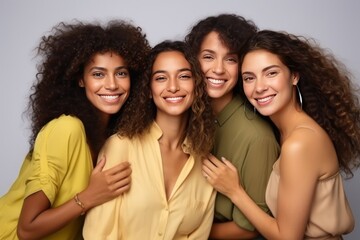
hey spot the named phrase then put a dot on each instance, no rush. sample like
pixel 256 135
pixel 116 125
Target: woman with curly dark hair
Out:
pixel 82 82
pixel 164 134
pixel 309 96
pixel 241 136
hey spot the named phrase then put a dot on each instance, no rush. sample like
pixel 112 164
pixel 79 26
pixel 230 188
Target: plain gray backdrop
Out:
pixel 334 24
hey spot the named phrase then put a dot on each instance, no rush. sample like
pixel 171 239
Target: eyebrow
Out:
pixel 179 70
pixel 104 69
pixel 212 51
pixel 264 69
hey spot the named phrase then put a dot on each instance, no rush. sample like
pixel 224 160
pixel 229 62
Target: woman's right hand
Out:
pixel 106 185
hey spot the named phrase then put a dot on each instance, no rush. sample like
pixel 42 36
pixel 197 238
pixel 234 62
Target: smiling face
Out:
pixel 268 83
pixel 172 84
pixel 220 67
pixel 106 81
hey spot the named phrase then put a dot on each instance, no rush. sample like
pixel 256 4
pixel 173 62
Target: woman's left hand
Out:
pixel 222 175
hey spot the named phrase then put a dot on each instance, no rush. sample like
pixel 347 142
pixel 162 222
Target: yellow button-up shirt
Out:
pixel 144 212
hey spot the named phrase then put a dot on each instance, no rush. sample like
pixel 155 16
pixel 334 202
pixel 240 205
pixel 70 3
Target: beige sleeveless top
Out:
pixel 330 215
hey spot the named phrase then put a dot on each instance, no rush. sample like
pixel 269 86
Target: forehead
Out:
pixel 260 59
pixel 104 58
pixel 214 43
pixel 171 60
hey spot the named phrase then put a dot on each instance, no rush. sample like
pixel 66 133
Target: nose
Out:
pixel 218 67
pixel 110 83
pixel 173 85
pixel 260 85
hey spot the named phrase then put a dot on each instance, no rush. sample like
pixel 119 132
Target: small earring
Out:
pixel 300 97
pixel 254 110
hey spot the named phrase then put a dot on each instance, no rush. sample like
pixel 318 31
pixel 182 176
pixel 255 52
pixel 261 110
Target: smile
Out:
pixel 110 97
pixel 174 99
pixel 216 81
pixel 265 99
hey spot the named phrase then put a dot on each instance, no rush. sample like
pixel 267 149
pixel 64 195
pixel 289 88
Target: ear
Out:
pixel 295 78
pixel 81 83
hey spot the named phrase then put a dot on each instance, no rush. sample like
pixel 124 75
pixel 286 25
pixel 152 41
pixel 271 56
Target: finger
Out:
pixel 210 165
pixel 216 162
pixel 100 165
pixel 207 170
pixel 228 163
pixel 118 168
pixel 121 184
pixel 121 175
pixel 122 189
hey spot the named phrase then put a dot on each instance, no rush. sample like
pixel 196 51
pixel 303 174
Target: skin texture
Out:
pixel 172 86
pixel 307 152
pixel 106 75
pixel 88 69
pixel 172 89
pixel 134 122
pixel 220 67
pixel 107 83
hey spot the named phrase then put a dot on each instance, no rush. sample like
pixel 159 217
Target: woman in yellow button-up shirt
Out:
pixel 164 139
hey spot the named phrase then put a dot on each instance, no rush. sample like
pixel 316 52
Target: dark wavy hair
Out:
pixel 65 52
pixel 233 30
pixel 139 116
pixel 329 96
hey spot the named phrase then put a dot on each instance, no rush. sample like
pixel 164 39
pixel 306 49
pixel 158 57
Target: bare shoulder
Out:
pixel 310 148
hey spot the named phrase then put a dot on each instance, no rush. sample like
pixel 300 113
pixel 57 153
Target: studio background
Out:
pixel 333 23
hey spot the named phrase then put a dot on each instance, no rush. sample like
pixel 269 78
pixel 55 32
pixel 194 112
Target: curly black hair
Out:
pixel 138 118
pixel 233 30
pixel 64 53
pixel 329 96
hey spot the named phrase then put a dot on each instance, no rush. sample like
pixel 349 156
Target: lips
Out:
pixel 174 99
pixel 214 81
pixel 110 97
pixel 265 99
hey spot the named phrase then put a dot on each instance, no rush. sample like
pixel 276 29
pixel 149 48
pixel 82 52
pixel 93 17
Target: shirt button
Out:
pixel 160 233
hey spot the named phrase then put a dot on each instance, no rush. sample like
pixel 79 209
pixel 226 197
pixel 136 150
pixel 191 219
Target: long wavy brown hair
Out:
pixel 329 95
pixel 138 118
pixel 64 53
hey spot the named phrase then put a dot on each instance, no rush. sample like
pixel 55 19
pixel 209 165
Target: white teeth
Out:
pixel 110 97
pixel 174 98
pixel 264 99
pixel 216 81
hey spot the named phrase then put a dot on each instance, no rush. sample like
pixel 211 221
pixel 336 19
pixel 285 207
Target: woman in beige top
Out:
pixel 319 135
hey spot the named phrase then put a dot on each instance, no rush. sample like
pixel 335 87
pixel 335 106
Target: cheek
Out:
pixel 125 84
pixel 248 89
pixel 234 71
pixel 205 66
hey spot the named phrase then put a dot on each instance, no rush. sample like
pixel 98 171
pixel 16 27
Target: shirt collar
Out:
pixel 156 132
pixel 229 110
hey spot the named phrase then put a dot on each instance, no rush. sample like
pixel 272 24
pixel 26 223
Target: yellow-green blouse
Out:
pixel 60 166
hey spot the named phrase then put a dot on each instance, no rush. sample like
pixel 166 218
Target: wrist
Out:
pixel 236 194
pixel 80 204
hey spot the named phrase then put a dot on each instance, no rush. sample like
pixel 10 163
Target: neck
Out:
pixel 287 120
pixel 218 104
pixel 173 129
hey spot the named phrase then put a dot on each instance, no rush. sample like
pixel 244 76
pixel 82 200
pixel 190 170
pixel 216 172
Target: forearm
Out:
pixel 264 223
pixel 48 220
pixel 230 230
